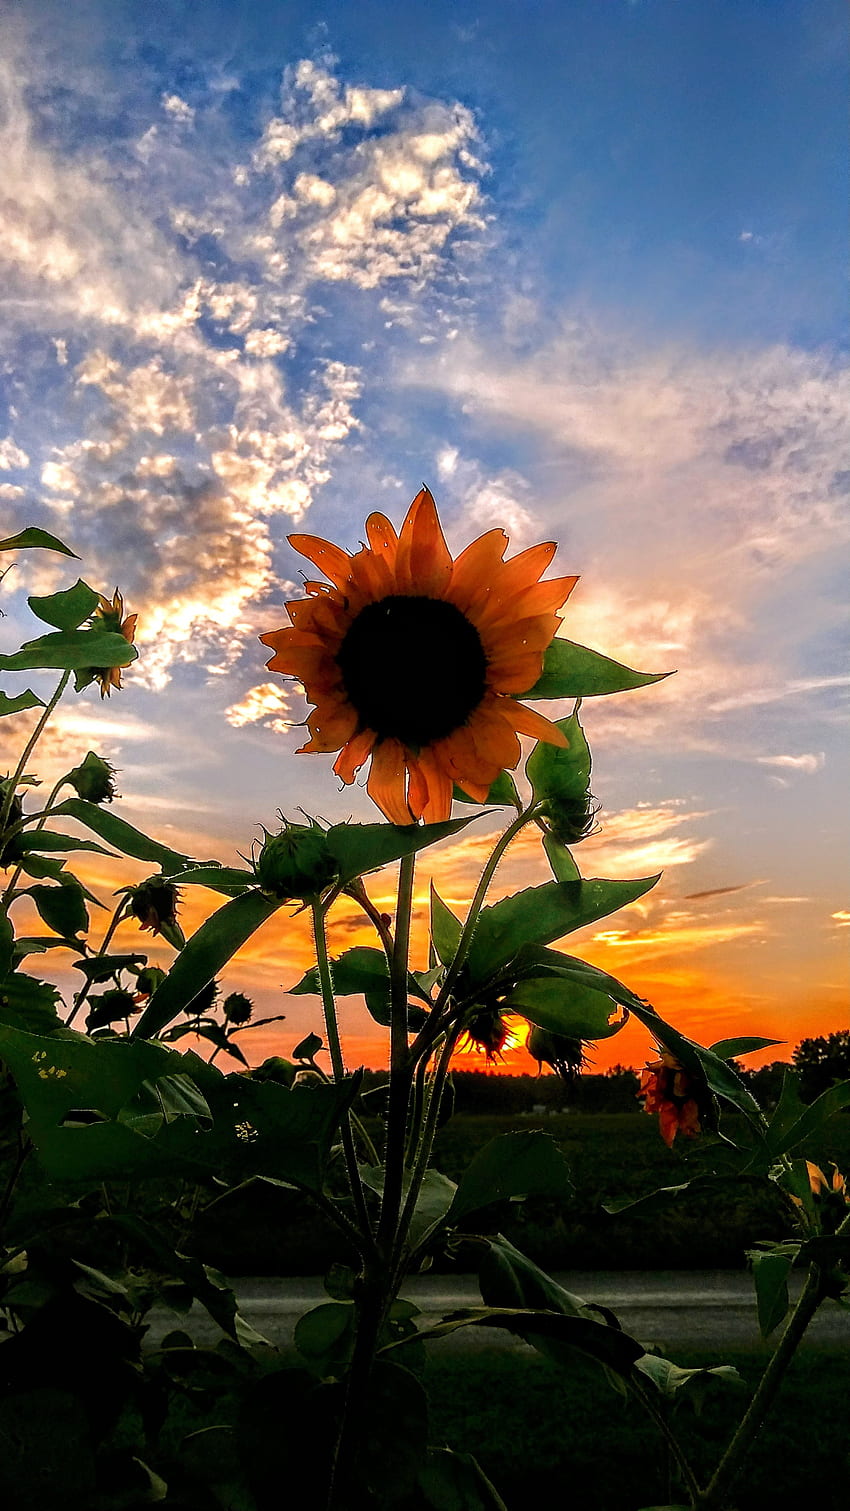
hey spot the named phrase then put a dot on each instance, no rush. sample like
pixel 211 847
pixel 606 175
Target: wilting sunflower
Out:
pixel 415 660
pixel 110 616
pixel 666 1088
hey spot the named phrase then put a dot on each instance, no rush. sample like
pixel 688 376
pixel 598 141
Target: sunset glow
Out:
pixel 262 278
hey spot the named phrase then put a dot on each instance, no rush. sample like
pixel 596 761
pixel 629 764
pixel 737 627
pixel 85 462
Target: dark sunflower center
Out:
pixel 414 668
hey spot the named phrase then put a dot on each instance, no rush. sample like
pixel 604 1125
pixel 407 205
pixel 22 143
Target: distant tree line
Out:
pixel 819 1062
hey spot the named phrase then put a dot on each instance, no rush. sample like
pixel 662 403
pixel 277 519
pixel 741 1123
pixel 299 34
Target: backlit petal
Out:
pixel 330 559
pixel 352 757
pixel 387 780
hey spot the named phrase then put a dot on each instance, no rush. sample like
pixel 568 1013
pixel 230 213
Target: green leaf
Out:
pixel 394 1439
pixel 44 840
pixel 98 968
pixel 770 1274
pixel 565 1006
pixel 552 1333
pixel 557 773
pixel 34 537
pixel 28 1004
pixel 209 1029
pixel 72 650
pixel 324 1336
pixel 502 794
pixel 730 1049
pixel 670 1379
pixel 40 866
pixel 228 879
pixel 66 610
pixel 20 703
pixel 121 835
pixel 782 1136
pixel 664 1194
pixel 542 914
pixel 357 971
pixel 62 908
pixel 827 1250
pixel 432 1204
pixel 7 940
pixel 446 929
pixel 204 955
pixel 358 848
pixel 308 1048
pixel 575 671
pixel 512 1165
pixel 453 1481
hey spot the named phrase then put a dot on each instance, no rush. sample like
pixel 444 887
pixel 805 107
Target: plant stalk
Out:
pixel 29 748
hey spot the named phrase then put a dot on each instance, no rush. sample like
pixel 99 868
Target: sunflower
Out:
pixel 110 616
pixel 666 1088
pixel 415 660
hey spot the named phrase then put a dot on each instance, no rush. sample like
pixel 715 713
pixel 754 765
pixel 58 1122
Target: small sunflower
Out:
pixel 415 660
pixel 666 1088
pixel 110 616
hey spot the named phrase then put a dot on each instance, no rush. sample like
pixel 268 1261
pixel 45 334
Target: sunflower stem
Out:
pixel 338 1064
pixel 426 1144
pixel 33 740
pixel 401 1064
pixel 104 944
pixel 655 1409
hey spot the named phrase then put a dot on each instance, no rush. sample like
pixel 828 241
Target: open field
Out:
pixel 546 1438
pixel 611 1156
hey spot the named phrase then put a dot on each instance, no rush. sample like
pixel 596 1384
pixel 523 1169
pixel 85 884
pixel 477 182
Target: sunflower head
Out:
pixel 564 1053
pixel 295 863
pixel 154 904
pixel 93 779
pixel 486 1030
pixel 414 660
pixel 109 1007
pixel 109 615
pixel 680 1101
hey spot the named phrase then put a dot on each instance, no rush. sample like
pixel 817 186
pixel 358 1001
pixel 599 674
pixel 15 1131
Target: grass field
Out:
pixel 610 1155
pixel 551 1439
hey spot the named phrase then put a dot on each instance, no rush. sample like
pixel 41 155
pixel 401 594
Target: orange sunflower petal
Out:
pixel 515 671
pixel 385 785
pixel 423 563
pixel 476 564
pixel 353 755
pixel 430 795
pixel 331 725
pixel 527 721
pixel 382 537
pixel 330 559
pixel 494 737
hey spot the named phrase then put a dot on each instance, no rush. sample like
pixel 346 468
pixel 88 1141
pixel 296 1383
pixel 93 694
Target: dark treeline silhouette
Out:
pixel 820 1063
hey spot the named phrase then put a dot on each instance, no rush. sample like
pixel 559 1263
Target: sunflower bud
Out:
pixel 238 1008
pixel 154 904
pixel 562 1052
pixel 93 779
pixel 296 863
pixel 12 851
pixel 148 980
pixel 109 1007
pixel 571 819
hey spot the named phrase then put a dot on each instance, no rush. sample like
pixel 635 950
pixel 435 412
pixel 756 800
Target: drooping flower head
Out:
pixel 564 1053
pixel 487 1031
pixel 414 660
pixel 666 1088
pixel 110 616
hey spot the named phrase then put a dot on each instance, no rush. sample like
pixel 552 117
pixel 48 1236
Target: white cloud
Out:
pixel 264 704
pixel 12 455
pixel 807 764
pixel 178 109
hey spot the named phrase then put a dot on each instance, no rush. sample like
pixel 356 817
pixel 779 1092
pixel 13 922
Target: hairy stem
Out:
pixel 401 1064
pixel 80 998
pixel 655 1408
pixel 29 748
pixel 713 1497
pixel 338 1065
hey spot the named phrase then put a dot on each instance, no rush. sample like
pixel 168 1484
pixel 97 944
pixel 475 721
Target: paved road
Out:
pixel 669 1309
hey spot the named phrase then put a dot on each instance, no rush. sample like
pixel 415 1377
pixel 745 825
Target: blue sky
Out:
pixel 580 268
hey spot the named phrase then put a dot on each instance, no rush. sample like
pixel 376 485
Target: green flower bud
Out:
pixel 238 1008
pixel 571 819
pixel 296 863
pixel 148 980
pixel 12 851
pixel 93 779
pixel 154 904
pixel 109 1007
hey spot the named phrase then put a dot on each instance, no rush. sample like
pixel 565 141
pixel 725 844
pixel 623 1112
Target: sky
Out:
pixel 579 267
